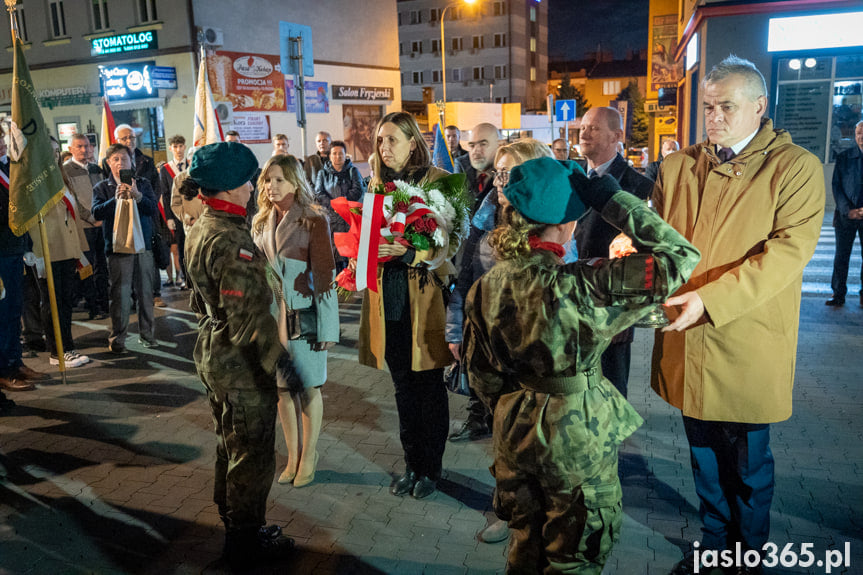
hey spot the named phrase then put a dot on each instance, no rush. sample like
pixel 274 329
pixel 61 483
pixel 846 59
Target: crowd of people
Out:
pixel 533 306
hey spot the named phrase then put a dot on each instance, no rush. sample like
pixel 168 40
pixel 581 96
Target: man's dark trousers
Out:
pixel 733 469
pixel 846 230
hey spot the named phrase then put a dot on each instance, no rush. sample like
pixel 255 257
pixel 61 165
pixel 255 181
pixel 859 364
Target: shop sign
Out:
pixel 53 97
pixel 128 81
pixel 250 82
pixel 122 43
pixel 253 128
pixel 164 77
pixel 371 93
pixel 317 101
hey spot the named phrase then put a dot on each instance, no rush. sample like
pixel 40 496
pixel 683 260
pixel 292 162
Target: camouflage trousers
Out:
pixel 245 420
pixel 556 471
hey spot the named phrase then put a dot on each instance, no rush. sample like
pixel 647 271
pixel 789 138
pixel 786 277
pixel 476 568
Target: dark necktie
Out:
pixel 591 173
pixel 180 167
pixel 725 154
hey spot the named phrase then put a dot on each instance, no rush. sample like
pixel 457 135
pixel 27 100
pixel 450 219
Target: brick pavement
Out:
pixel 112 473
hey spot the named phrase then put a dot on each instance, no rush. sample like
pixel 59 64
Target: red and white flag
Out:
pixel 207 129
pixel 106 137
pixel 370 236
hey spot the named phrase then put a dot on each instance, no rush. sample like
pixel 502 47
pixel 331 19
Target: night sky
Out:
pixel 577 26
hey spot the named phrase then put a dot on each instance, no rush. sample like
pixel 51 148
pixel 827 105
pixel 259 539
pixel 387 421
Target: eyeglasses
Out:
pixel 501 175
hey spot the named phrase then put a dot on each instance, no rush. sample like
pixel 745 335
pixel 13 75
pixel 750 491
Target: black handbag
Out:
pixel 455 378
pixel 302 324
pixel 161 252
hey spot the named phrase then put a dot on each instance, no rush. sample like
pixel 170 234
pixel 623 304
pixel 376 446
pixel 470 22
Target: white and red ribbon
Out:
pixel 370 233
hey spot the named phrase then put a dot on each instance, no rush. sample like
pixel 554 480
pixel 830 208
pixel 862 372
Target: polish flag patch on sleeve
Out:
pixel 246 255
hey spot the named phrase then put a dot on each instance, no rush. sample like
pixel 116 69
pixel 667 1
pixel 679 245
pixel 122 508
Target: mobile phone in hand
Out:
pixel 127 177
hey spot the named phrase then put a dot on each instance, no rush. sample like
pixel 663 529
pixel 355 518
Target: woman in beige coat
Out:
pixel 403 323
pixel 294 233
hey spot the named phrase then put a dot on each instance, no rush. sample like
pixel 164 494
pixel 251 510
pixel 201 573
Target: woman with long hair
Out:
pixel 534 333
pixel 294 234
pixel 402 324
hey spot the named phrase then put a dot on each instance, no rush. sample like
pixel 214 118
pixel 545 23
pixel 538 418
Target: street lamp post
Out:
pixel 442 104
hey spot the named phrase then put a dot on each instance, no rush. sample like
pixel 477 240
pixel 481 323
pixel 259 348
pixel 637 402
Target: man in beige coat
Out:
pixel 753 203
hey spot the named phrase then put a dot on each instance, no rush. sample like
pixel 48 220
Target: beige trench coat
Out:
pixel 429 349
pixel 756 221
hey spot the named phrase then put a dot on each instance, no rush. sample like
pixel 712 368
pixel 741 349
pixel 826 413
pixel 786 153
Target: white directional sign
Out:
pixel 564 110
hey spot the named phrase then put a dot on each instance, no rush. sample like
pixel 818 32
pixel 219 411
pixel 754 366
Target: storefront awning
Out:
pixel 137 104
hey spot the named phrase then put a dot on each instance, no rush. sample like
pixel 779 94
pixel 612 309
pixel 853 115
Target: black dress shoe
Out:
pixel 404 484
pixel 835 301
pixel 424 487
pixel 470 431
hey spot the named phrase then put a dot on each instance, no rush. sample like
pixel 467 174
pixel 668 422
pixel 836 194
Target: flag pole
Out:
pixel 46 254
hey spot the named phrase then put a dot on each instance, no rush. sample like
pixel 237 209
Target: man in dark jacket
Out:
pixel 848 217
pixel 477 163
pixel 126 267
pixel 668 147
pixel 316 162
pixel 601 130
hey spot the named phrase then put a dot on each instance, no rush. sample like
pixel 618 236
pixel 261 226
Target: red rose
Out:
pixel 389 187
pixel 417 200
pixel 420 226
pixel 402 207
pixel 431 225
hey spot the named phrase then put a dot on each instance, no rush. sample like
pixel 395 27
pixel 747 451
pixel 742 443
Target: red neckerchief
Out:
pixel 553 247
pixel 223 206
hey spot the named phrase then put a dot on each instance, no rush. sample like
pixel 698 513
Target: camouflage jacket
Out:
pixel 231 296
pixel 533 320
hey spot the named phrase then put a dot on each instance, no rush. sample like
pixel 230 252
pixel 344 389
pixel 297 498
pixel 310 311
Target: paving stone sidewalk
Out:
pixel 112 473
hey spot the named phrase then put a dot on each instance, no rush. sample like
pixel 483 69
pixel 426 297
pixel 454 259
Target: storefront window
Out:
pixel 819 101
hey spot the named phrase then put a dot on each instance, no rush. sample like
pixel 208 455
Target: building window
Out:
pixel 499 8
pixel 436 76
pixel 434 14
pixel 477 73
pixel 403 78
pixel 435 46
pixel 499 40
pixel 401 49
pixel 21 22
pixel 500 72
pixel 416 17
pixel 417 47
pixel 456 75
pixel 147 11
pixel 533 74
pixel 533 13
pixel 457 44
pixel 455 13
pixel 418 77
pixel 533 44
pixel 610 87
pixel 100 15
pixel 58 19
pixel 478 42
pixel 400 18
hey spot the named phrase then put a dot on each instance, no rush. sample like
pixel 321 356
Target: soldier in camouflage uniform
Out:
pixel 533 339
pixel 238 349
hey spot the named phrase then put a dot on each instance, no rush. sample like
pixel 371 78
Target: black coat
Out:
pixel 463 166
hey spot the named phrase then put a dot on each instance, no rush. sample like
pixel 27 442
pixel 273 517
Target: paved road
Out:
pixel 112 472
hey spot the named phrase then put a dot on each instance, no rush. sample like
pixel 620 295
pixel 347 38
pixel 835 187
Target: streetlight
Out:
pixel 442 104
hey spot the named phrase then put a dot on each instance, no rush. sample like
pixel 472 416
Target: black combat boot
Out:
pixel 247 549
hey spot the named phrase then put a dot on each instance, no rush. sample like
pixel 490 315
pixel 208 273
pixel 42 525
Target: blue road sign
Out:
pixel 564 110
pixel 289 66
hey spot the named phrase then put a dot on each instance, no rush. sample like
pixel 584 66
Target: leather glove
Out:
pixel 287 376
pixel 594 192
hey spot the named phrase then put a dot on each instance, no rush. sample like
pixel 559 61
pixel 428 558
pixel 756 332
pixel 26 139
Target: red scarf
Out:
pixel 553 247
pixel 223 206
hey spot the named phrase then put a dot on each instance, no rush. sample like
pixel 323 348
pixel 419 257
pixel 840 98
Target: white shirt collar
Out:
pixel 738 147
pixel 77 163
pixel 603 168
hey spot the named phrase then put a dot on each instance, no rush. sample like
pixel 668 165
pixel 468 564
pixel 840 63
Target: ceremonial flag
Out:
pixel 441 156
pixel 207 129
pixel 106 138
pixel 35 182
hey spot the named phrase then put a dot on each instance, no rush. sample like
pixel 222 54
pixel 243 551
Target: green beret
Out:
pixel 223 166
pixel 545 190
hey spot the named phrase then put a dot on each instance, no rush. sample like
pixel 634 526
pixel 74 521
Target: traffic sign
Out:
pixel 564 110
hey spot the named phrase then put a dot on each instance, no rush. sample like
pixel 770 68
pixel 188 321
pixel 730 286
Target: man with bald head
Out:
pixel 316 162
pixel 477 163
pixel 668 147
pixel 601 132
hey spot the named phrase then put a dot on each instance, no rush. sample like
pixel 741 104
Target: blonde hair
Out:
pixel 294 174
pixel 510 239
pixel 419 158
pixel 523 150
